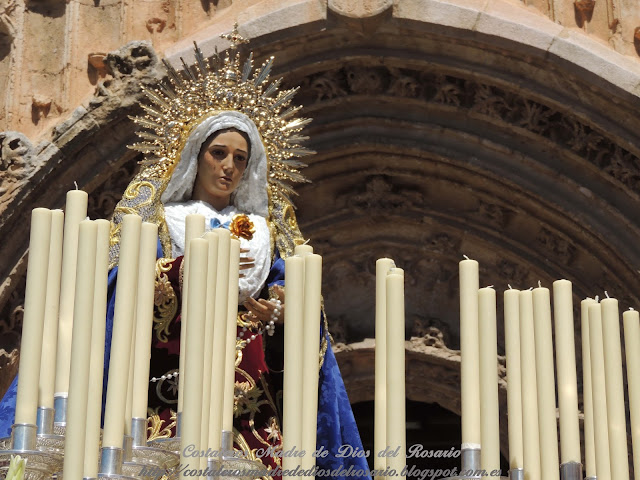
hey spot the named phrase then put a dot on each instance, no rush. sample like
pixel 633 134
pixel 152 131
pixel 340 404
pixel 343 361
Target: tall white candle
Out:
pixel 194 351
pixel 132 344
pixel 94 395
pixel 124 312
pixel 219 339
pixel 514 384
pixel 380 404
pixel 232 331
pixel 292 393
pixel 566 367
pixel 311 355
pixel 489 414
pixel 33 320
pixel 75 212
pixel 530 429
pixel 396 413
pixel 598 385
pixel 617 423
pixel 589 440
pixel 210 300
pixel 469 354
pixel 194 228
pixel 144 318
pixel 75 432
pixel 546 385
pixel 631 341
pixel 52 302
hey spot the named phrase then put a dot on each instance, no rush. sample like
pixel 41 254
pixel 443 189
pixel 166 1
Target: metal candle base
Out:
pixel 111 459
pixel 571 471
pixel 139 432
pixel 60 407
pixel 470 459
pixel 44 420
pixel 516 474
pixel 591 478
pixel 23 437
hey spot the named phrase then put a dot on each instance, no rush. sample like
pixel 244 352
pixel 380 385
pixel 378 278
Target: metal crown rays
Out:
pixel 207 88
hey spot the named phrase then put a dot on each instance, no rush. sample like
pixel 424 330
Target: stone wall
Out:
pixel 52 51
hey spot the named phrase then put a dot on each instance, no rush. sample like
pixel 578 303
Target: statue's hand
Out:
pixel 267 310
pixel 246 262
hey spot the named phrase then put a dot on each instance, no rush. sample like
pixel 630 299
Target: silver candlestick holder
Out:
pixel 147 461
pixel 571 471
pixel 516 474
pixel 470 465
pixel 231 467
pixel 40 464
pixel 49 439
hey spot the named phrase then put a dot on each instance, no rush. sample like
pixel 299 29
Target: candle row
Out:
pixel 303 273
pixel 208 372
pixel 389 405
pixel 531 380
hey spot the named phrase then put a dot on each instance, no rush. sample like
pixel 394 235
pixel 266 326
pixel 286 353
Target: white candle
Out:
pixel 546 385
pixel 380 404
pixel 631 341
pixel 75 212
pixel 210 300
pixel 469 354
pixel 194 351
pixel 489 421
pixel 396 414
pixel 33 320
pixel 566 367
pixel 132 344
pixel 194 228
pixel 123 316
pixel 598 385
pixel 144 318
pixel 219 339
pixel 589 440
pixel 94 395
pixel 617 423
pixel 311 353
pixel 292 393
pixel 52 302
pixel 530 429
pixel 514 384
pixel 304 249
pixel 75 432
pixel 232 331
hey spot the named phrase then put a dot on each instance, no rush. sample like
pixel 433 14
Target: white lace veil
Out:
pixel 251 195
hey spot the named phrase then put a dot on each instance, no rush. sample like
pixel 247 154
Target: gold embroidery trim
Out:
pixel 165 300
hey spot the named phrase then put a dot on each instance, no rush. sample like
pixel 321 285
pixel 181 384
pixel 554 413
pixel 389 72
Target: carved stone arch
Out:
pixel 439 132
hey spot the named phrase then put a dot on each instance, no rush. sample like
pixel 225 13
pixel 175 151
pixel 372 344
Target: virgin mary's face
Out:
pixel 221 163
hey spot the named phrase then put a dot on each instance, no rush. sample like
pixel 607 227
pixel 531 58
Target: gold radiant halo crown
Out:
pixel 189 97
pixel 223 85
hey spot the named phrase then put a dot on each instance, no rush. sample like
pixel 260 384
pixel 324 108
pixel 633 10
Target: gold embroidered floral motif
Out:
pixel 246 398
pixel 273 430
pixel 156 429
pixel 165 300
pixel 242 227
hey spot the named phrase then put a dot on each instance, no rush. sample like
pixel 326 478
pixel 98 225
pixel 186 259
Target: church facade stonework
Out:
pixel 503 130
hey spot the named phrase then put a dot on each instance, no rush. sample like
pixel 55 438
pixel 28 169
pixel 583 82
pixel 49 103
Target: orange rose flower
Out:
pixel 242 227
